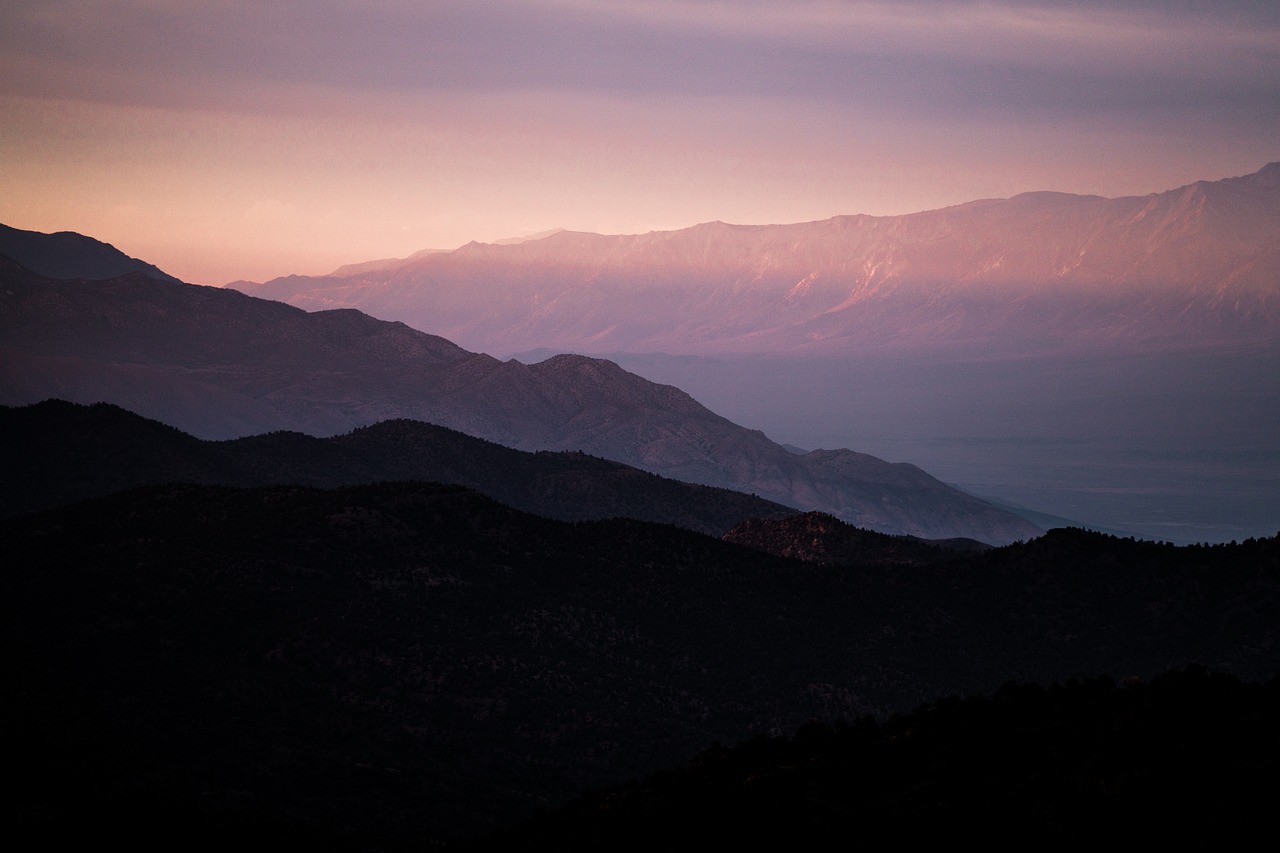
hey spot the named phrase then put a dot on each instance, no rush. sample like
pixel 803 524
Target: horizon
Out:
pixel 550 232
pixel 225 145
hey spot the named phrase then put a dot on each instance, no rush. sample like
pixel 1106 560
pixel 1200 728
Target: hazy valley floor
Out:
pixel 1183 447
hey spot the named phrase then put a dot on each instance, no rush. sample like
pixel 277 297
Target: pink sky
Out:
pixel 221 140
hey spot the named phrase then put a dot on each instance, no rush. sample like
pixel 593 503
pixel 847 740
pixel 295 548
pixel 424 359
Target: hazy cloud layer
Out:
pixel 1068 58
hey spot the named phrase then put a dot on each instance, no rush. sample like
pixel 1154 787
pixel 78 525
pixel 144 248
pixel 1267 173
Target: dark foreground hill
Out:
pixel 409 661
pixel 219 364
pixel 61 452
pixel 1188 757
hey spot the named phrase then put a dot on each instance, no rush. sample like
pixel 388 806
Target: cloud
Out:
pixel 1031 58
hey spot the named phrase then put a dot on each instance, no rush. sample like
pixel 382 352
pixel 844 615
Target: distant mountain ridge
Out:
pixel 220 364
pixel 1197 264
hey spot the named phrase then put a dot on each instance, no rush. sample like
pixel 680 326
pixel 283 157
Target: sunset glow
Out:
pixel 224 142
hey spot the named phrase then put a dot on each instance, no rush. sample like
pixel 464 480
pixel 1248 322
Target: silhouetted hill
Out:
pixel 408 661
pixel 817 537
pixel 219 364
pixel 1188 756
pixel 67 255
pixel 1193 266
pixel 61 452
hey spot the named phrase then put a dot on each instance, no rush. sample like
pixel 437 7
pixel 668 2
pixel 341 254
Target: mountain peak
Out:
pixel 68 255
pixel 541 235
pixel 575 361
pixel 1267 176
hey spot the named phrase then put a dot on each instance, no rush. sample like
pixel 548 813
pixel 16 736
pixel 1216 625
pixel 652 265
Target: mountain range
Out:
pixel 1039 271
pixel 414 662
pixel 219 364
pixel 61 453
pixel 279 634
pixel 1108 360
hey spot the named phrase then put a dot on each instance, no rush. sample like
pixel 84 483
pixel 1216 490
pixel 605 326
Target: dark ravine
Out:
pixel 219 364
pixel 409 662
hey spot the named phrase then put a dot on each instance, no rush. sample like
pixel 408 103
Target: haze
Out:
pixel 226 142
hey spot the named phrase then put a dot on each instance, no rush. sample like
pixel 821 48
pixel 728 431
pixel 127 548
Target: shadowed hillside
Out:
pixel 1025 765
pixel 62 452
pixel 220 364
pixel 820 538
pixel 412 661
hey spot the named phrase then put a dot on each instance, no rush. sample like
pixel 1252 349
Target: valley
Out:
pixel 1183 447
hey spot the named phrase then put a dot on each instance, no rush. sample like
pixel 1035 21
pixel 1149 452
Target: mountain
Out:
pixel 1073 762
pixel 409 661
pixel 61 452
pixel 1196 265
pixel 219 364
pixel 820 538
pixel 70 255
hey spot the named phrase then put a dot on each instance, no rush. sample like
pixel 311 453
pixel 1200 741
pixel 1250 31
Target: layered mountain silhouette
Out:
pixel 395 665
pixel 1039 271
pixel 61 453
pixel 410 661
pixel 219 364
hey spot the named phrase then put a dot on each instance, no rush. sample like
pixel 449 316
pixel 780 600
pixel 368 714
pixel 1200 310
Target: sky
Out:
pixel 223 140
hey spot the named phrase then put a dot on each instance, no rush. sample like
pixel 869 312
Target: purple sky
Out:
pixel 225 140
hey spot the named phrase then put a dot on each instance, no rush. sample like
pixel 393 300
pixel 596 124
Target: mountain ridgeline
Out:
pixel 219 364
pixel 1039 271
pixel 61 453
pixel 295 602
pixel 411 661
pixel 69 255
